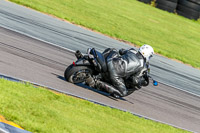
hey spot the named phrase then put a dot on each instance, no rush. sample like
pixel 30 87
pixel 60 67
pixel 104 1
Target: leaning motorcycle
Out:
pixel 93 66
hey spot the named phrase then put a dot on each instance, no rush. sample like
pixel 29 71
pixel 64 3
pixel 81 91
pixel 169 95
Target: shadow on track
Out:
pixel 92 89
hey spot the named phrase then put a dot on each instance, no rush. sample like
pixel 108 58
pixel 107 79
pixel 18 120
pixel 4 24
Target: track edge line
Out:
pixel 7 77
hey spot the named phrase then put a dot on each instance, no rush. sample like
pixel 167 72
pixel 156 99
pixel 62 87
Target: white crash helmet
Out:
pixel 146 51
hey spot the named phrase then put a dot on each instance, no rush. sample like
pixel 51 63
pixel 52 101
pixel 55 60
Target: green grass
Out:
pixel 169 34
pixel 41 110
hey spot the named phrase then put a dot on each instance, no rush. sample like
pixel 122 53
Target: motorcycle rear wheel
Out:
pixel 77 74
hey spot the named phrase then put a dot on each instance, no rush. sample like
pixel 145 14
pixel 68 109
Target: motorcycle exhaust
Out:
pixel 78 54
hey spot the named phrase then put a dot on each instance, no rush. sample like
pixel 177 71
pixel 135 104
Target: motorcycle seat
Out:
pixel 100 59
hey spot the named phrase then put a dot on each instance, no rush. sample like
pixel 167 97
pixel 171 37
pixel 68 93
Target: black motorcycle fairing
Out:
pixel 82 61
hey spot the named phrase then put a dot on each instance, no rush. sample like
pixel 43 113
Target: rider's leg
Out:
pixel 116 68
pixel 99 85
pixel 108 88
pixel 120 85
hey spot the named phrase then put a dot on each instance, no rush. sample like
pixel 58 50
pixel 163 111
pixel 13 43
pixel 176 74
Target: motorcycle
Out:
pixel 92 67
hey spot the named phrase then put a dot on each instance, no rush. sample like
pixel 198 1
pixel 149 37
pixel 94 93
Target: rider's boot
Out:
pixel 99 85
pixel 107 87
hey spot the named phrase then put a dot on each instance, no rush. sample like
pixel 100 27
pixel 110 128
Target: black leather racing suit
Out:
pixel 124 64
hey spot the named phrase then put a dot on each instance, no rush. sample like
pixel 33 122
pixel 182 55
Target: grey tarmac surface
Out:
pixel 58 32
pixel 39 62
pixel 42 63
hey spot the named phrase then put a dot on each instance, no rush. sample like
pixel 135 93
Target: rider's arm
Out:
pixel 141 79
pixel 144 81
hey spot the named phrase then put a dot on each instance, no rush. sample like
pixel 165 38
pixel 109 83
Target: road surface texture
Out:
pixel 58 32
pixel 36 61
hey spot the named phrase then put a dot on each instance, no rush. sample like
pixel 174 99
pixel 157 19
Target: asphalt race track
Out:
pixel 39 62
pixel 30 59
pixel 58 32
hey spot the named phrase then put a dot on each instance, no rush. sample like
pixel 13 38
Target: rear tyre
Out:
pixel 195 1
pixel 189 4
pixel 188 9
pixel 146 1
pixel 167 5
pixel 187 12
pixel 175 1
pixel 165 8
pixel 77 74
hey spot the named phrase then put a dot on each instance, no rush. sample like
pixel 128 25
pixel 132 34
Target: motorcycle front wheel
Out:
pixel 77 74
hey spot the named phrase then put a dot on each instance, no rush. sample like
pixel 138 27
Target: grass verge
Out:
pixel 170 35
pixel 41 110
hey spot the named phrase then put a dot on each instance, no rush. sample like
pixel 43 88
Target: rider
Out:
pixel 126 65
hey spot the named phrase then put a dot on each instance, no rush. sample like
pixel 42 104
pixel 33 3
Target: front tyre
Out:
pixel 77 74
